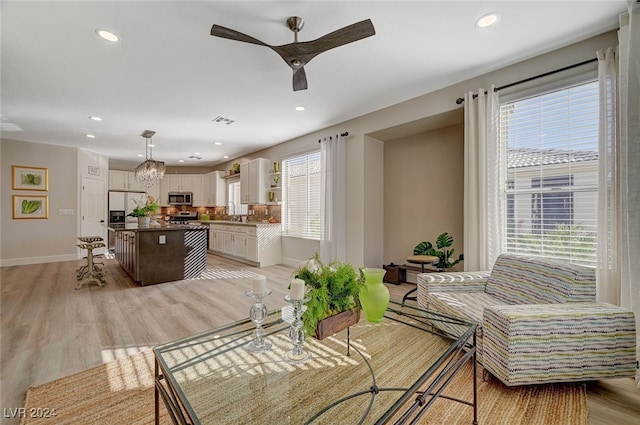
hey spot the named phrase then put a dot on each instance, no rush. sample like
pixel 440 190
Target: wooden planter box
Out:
pixel 336 323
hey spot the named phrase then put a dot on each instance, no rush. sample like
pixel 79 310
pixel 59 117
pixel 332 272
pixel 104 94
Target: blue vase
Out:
pixel 374 296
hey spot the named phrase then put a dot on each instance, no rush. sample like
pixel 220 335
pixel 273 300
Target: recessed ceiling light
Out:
pixel 181 160
pixel 107 35
pixel 299 108
pixel 95 118
pixel 90 136
pixel 196 153
pixel 226 156
pixel 218 143
pixel 140 155
pixel 151 145
pixel 487 20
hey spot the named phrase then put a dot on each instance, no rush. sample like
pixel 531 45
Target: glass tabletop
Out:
pixel 212 379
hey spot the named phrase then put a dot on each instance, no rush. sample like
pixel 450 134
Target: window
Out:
pixel 301 196
pixel 234 206
pixel 551 188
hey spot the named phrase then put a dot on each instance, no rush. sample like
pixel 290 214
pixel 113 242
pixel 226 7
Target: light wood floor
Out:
pixel 49 330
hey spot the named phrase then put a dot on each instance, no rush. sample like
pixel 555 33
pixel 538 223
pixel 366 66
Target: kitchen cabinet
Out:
pixel 124 180
pixel 257 244
pixel 216 237
pixel 254 181
pixel 214 189
pixel 184 183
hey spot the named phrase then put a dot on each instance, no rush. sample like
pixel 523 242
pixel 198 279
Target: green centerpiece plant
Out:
pixel 146 206
pixel 331 288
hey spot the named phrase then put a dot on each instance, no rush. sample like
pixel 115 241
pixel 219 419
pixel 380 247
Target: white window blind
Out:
pixel 550 145
pixel 301 196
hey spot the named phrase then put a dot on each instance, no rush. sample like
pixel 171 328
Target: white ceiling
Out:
pixel 169 75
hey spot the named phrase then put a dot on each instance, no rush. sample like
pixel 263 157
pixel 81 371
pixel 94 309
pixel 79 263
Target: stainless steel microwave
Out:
pixel 180 198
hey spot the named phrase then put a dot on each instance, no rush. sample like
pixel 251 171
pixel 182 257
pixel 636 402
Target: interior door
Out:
pixel 93 213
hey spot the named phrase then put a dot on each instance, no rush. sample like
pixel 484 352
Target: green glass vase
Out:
pixel 374 296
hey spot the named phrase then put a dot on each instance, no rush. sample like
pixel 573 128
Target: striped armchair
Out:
pixel 538 320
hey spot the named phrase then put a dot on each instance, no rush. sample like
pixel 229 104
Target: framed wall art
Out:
pixel 30 178
pixel 30 206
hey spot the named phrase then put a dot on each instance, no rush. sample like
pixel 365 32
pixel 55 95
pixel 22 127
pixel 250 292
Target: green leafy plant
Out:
pixel 446 260
pixel 146 206
pixel 332 289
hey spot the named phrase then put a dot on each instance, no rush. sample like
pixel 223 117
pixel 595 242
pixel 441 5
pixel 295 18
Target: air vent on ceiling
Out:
pixel 222 120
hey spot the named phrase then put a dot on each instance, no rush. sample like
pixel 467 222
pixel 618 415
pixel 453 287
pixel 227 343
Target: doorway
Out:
pixel 93 211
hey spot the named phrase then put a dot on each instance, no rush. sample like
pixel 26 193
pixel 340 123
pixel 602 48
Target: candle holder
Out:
pixel 297 354
pixel 257 314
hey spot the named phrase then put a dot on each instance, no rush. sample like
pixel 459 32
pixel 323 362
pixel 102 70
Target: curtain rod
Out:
pixel 345 134
pixel 526 80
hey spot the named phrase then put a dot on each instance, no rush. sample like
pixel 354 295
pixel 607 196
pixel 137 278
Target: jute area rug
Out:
pixel 121 392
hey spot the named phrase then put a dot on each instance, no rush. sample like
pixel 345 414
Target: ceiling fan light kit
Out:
pixel 298 54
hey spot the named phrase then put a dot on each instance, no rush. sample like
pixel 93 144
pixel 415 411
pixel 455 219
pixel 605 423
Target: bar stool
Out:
pixel 90 272
pixel 422 260
pixel 83 269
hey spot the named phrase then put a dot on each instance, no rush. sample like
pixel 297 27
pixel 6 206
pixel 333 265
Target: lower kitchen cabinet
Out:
pixel 257 244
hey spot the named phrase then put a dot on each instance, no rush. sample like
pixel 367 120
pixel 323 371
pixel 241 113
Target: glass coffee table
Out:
pixel 388 372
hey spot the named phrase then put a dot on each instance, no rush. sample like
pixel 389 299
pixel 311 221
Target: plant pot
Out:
pixel 332 324
pixel 374 296
pixel 144 221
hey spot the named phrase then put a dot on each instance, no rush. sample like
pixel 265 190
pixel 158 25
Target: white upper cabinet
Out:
pixel 184 183
pixel 254 181
pixel 214 189
pixel 124 180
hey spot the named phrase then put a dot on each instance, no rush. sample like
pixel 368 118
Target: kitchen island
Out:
pixel 161 253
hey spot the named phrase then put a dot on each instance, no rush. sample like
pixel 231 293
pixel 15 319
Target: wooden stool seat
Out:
pixel 422 260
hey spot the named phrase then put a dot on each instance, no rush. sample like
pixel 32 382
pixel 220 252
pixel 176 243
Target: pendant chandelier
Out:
pixel 150 171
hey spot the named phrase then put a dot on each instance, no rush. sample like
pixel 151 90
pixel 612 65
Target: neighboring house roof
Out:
pixel 529 157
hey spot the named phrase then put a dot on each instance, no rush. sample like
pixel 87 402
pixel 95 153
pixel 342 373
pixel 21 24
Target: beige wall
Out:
pixel 423 187
pixel 39 240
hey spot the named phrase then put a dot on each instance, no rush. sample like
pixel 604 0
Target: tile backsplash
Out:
pixel 258 213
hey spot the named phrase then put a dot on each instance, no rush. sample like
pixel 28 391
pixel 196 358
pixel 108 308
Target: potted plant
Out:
pixel 332 290
pixel 445 256
pixel 146 206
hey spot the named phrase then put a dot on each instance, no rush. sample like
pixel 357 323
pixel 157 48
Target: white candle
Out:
pixel 297 289
pixel 259 285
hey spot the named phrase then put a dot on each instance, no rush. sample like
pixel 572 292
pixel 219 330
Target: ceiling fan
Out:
pixel 298 54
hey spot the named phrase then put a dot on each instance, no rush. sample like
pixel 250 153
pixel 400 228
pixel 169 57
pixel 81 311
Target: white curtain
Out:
pixel 619 200
pixel 333 204
pixel 483 178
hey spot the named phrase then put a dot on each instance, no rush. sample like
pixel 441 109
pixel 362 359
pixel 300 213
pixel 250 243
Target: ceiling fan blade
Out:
pixel 304 51
pixel 219 31
pixel 299 79
pixel 345 35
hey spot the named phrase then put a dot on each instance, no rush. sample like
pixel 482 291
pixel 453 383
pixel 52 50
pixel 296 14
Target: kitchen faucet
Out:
pixel 233 216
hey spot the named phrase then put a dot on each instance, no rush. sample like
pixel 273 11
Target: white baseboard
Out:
pixel 6 262
pixel 292 262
